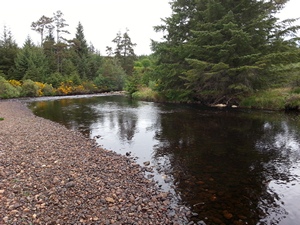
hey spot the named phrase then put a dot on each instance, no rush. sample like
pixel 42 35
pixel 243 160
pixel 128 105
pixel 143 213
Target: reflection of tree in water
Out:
pixel 83 113
pixel 127 126
pixel 220 167
pixel 72 113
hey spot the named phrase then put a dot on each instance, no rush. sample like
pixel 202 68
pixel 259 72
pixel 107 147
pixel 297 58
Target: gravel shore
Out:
pixel 52 175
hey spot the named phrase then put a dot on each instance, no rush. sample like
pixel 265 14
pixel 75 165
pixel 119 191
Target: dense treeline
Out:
pixel 213 51
pixel 63 66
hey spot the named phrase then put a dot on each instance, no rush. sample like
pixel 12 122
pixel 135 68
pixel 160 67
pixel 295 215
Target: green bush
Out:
pixel 75 78
pixel 90 86
pixel 146 94
pixel 55 79
pixel 48 90
pixel 29 89
pixel 7 90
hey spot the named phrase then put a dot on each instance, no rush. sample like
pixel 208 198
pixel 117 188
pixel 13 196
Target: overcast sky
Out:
pixel 101 19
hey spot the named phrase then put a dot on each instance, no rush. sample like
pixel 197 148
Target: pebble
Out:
pixel 51 175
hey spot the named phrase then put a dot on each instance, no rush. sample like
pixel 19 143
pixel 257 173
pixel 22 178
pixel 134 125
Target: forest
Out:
pixel 213 52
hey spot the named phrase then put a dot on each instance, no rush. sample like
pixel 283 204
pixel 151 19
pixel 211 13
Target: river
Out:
pixel 231 166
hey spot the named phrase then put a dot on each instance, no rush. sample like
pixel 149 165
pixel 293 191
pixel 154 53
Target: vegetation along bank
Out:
pixel 212 52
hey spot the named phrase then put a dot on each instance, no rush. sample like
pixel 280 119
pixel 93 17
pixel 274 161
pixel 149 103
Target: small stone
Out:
pixel 5 219
pixel 70 184
pixel 110 200
pixel 227 214
pixel 147 163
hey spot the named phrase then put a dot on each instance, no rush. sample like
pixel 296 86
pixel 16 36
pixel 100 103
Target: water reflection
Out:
pixel 231 167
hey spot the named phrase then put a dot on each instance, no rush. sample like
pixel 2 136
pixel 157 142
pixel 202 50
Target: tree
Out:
pixel 110 76
pixel 50 51
pixel 42 24
pixel 82 48
pixel 8 52
pixel 31 63
pixel 124 51
pixel 214 49
pixel 60 24
pixel 81 51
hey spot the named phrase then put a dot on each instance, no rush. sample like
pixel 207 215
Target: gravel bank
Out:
pixel 51 175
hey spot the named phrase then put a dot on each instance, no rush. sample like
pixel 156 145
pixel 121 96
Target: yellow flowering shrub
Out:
pixel 65 88
pixel 41 88
pixel 15 83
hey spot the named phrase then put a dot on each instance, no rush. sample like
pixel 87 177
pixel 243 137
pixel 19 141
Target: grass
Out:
pixel 146 94
pixel 1 118
pixel 273 99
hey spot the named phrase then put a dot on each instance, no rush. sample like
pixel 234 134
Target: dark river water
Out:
pixel 229 166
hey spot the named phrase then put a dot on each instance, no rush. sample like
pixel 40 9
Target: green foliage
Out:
pixel 31 63
pixel 146 94
pixel 133 83
pixel 1 118
pixel 110 76
pixel 8 52
pixel 124 51
pixel 89 86
pixel 48 90
pixel 268 99
pixel 75 78
pixel 7 90
pixel 29 89
pixel 142 76
pixel 212 47
pixel 55 79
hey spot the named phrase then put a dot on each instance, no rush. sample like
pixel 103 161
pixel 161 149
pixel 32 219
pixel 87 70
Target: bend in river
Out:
pixel 229 166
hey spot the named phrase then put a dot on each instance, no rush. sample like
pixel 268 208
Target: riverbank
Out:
pixel 52 175
pixel 275 99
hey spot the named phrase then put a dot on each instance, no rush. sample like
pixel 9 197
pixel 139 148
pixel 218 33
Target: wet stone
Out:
pixel 52 175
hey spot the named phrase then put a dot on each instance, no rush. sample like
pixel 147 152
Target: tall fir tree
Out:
pixel 216 49
pixel 80 51
pixel 8 52
pixel 31 63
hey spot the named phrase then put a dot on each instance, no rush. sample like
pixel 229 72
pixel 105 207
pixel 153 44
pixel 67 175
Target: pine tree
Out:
pixel 214 49
pixel 43 25
pixel 8 52
pixel 60 25
pixel 50 52
pixel 124 51
pixel 80 51
pixel 81 45
pixel 31 63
